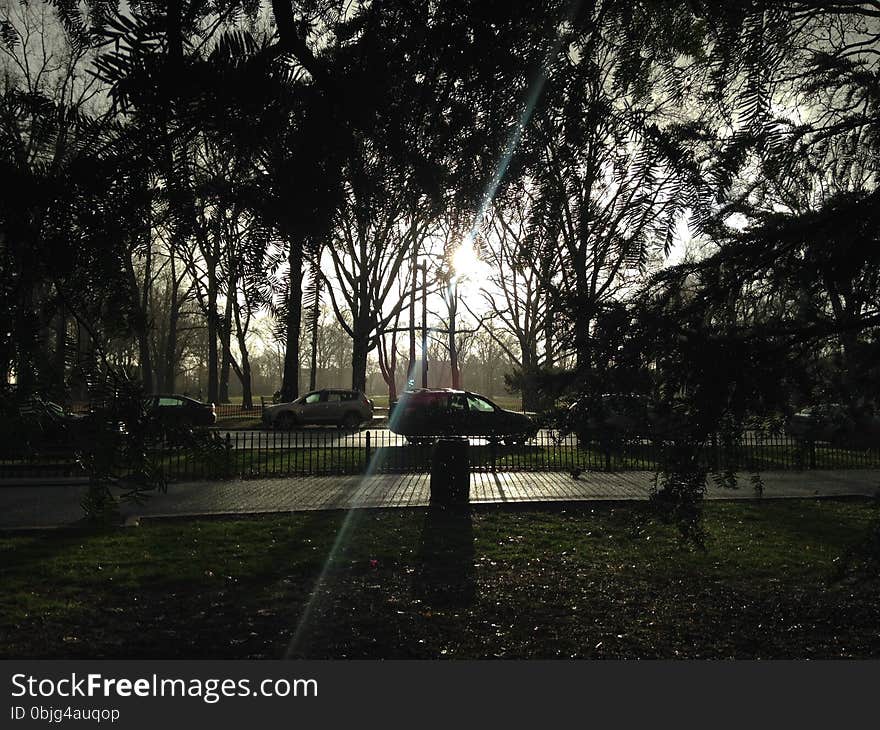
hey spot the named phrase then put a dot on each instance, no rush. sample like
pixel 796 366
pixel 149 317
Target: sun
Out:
pixel 465 261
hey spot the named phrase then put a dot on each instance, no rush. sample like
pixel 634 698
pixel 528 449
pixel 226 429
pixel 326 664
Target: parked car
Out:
pixel 36 424
pixel 50 423
pixel 342 408
pixel 622 415
pixel 423 415
pixel 836 424
pixel 180 411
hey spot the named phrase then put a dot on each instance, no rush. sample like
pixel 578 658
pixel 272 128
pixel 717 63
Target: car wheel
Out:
pixel 285 421
pixel 351 421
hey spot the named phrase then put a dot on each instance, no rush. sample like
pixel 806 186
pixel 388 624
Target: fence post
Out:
pixel 812 454
pixel 493 453
pixel 228 448
pixel 367 461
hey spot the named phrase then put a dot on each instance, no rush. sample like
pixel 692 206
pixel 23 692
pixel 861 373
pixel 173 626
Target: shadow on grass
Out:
pixel 444 575
pixel 562 581
pixel 171 589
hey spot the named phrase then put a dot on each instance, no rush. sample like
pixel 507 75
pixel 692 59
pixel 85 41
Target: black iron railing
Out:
pixel 236 410
pixel 218 454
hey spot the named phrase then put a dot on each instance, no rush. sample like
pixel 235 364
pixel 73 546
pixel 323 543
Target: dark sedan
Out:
pixel 180 411
pixel 423 415
pixel 836 424
pixel 614 416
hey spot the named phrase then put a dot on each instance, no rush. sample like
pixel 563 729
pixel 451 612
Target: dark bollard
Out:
pixel 450 472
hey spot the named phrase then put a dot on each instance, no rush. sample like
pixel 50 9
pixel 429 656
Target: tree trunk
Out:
pixel 170 363
pixel 244 372
pixel 226 343
pixel 411 368
pixel 247 388
pixel 144 358
pixel 60 366
pixel 213 383
pixel 176 185
pixel 145 355
pixel 140 324
pixel 85 363
pixel 362 325
pixel 25 337
pixel 290 380
pixel 453 354
pixel 247 392
pixel 528 389
pixel 584 314
pixel 316 313
pixel 392 383
pixel 388 363
pixel 359 352
pixel 549 358
pixel 583 351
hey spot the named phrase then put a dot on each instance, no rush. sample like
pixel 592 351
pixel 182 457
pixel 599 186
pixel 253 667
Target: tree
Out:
pixel 423 100
pixel 611 173
pixel 51 131
pixel 369 255
pixel 794 90
pixel 171 315
pixel 518 294
pixel 737 334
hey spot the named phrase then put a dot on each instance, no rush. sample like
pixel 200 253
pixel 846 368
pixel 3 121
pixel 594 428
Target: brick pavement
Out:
pixel 59 504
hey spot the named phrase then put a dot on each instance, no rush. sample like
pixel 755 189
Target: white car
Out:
pixel 342 408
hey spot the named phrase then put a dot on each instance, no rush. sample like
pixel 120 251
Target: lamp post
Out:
pixel 452 304
pixel 424 324
pixel 414 271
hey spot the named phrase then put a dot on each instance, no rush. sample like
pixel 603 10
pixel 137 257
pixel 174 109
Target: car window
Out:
pixel 348 395
pixel 475 403
pixel 334 397
pixel 170 402
pixel 457 402
pixel 430 404
pixel 312 398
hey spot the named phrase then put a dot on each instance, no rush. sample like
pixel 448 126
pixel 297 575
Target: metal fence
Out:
pixel 236 410
pixel 218 454
pixel 40 463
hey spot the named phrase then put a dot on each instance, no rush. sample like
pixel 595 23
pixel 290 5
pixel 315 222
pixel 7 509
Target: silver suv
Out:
pixel 342 408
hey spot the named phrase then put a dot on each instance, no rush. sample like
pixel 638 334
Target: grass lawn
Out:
pixel 591 581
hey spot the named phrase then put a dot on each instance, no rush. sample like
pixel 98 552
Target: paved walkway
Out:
pixel 46 505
